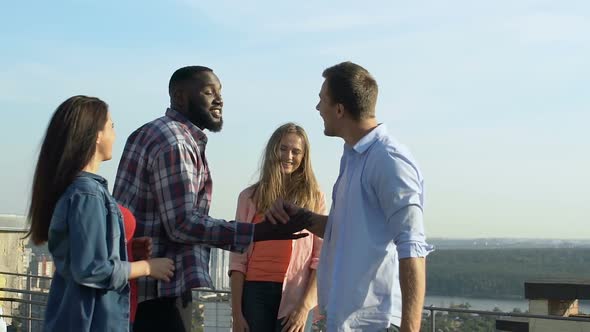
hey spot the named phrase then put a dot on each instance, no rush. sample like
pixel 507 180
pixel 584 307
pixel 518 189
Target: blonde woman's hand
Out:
pixel 295 321
pixel 239 323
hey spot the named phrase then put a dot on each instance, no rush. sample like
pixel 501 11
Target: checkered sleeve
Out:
pixel 177 175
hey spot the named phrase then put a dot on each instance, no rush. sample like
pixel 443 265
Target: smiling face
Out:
pixel 328 111
pixel 197 94
pixel 291 152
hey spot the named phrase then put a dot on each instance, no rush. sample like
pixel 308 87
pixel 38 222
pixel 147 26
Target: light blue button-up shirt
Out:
pixel 375 220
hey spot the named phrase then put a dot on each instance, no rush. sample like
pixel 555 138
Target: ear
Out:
pixel 178 97
pixel 99 137
pixel 340 111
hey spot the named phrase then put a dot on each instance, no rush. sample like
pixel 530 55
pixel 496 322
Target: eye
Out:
pixel 112 125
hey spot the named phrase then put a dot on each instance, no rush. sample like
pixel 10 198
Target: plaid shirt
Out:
pixel 164 179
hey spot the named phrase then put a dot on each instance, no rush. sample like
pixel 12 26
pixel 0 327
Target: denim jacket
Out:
pixel 90 290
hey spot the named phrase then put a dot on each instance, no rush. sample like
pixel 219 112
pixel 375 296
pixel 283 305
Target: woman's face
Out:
pixel 106 138
pixel 291 153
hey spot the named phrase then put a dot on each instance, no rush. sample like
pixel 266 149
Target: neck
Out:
pixel 92 166
pixel 357 130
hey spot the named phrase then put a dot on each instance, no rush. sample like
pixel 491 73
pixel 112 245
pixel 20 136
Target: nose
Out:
pixel 218 100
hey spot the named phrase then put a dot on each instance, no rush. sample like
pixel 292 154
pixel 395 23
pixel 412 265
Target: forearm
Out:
pixel 237 289
pixel 139 269
pixel 309 299
pixel 412 278
pixel 196 228
pixel 318 225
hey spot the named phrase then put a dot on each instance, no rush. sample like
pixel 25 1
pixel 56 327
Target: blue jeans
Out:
pixel 260 306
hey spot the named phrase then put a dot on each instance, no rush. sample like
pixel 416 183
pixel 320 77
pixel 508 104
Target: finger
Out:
pixel 270 217
pixel 297 236
pixel 276 213
pixel 279 211
pixel 286 324
pixel 291 208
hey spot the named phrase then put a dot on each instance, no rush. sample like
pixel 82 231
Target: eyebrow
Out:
pixel 286 146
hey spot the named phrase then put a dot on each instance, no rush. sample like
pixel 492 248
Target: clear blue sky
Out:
pixel 492 97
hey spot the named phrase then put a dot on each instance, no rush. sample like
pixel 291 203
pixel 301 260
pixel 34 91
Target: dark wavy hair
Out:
pixel 69 145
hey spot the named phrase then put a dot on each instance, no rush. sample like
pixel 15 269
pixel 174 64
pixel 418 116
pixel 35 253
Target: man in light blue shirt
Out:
pixel 371 275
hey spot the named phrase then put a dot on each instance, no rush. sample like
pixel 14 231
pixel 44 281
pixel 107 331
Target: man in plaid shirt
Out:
pixel 163 178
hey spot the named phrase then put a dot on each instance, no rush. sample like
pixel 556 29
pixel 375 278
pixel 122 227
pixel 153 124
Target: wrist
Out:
pixel 305 306
pixel 147 268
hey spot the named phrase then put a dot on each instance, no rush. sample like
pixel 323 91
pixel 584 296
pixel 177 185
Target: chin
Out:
pixel 215 125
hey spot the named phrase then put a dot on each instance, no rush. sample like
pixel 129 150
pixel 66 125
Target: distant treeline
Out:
pixel 500 273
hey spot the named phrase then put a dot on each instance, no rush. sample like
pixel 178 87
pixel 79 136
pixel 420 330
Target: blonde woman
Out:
pixel 274 283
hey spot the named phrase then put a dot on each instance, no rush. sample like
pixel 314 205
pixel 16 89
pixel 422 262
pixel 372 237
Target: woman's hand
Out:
pixel 239 323
pixel 295 321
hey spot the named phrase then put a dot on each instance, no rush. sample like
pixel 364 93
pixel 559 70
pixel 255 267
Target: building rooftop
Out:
pixel 557 289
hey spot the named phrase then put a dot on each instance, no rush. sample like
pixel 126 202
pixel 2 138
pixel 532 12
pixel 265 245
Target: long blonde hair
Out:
pixel 299 187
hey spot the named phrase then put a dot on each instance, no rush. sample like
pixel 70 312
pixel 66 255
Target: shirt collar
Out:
pixel 95 177
pixel 196 131
pixel 364 143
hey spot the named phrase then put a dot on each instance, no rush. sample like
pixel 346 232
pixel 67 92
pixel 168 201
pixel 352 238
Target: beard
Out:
pixel 202 118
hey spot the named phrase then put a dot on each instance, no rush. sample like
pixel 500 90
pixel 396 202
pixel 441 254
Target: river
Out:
pixel 489 304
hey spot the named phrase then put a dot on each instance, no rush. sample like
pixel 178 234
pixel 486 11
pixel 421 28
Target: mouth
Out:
pixel 216 113
pixel 286 164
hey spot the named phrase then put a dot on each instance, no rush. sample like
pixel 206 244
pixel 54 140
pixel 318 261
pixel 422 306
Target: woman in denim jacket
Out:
pixel 73 211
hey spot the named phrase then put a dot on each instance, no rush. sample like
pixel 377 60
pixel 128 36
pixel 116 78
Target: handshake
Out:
pixel 291 221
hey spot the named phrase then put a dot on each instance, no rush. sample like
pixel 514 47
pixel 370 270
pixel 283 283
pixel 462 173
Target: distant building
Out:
pixel 219 268
pixel 553 298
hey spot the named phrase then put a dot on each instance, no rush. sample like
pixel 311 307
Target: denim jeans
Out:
pixel 260 306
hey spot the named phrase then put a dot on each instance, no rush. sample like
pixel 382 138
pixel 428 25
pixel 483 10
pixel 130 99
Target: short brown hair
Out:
pixel 352 86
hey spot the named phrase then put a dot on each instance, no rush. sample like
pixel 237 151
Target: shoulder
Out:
pixel 246 195
pixel 388 157
pixel 84 185
pixel 160 134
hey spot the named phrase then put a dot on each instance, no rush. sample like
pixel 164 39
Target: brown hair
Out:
pixel 69 145
pixel 299 187
pixel 352 86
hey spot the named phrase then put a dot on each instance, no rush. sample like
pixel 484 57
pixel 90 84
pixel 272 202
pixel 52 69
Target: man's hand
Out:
pixel 297 222
pixel 141 248
pixel 281 211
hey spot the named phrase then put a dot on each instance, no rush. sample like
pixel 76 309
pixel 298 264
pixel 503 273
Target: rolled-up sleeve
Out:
pixel 92 264
pixel 400 189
